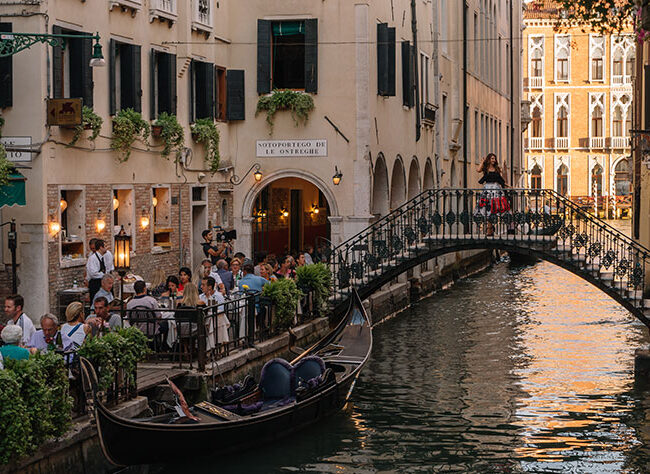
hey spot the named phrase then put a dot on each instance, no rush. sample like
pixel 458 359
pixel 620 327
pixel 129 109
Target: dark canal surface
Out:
pixel 518 369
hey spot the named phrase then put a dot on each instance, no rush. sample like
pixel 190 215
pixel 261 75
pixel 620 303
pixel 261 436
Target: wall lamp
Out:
pixel 236 180
pixel 100 223
pixel 284 212
pixel 54 226
pixel 144 220
pixel 336 179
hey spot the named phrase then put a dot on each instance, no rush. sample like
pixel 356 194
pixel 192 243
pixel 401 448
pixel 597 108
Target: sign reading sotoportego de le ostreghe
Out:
pixel 289 148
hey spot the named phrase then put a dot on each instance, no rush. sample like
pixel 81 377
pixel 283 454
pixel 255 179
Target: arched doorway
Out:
pixel 622 184
pixel 397 185
pixel 597 181
pixel 414 179
pixel 428 176
pixel 380 203
pixel 288 215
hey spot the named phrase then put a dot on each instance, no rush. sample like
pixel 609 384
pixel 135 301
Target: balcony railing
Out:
pixel 620 142
pixel 596 142
pixel 535 82
pixel 165 9
pixel 535 143
pixel 561 143
pixel 202 16
pixel 133 4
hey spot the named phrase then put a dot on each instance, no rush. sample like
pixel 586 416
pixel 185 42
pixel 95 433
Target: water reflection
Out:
pixel 520 369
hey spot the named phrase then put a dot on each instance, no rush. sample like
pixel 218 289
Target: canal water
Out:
pixel 518 369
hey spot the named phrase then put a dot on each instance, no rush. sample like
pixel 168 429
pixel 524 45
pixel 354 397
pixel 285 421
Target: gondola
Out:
pixel 288 397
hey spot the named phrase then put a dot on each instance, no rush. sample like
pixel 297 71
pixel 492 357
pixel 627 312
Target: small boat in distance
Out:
pixel 289 397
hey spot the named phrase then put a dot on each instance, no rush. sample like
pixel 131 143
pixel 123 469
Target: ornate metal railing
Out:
pixel 540 222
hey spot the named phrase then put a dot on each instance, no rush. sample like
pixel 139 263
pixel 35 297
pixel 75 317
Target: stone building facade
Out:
pixel 399 106
pixel 579 85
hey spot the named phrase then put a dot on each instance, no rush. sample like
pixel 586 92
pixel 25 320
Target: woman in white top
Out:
pixel 74 331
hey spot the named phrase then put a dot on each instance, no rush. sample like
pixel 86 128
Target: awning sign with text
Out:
pixel 288 148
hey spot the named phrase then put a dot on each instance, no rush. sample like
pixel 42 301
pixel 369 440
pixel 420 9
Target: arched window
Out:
pixel 562 122
pixel 563 180
pixel 617 63
pixel 597 180
pixel 617 122
pixel 224 213
pixel 536 178
pixel 537 123
pixel 597 122
pixel 622 183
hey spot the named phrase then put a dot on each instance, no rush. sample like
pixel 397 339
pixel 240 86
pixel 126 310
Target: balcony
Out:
pixel 535 82
pixel 163 9
pixel 620 143
pixel 134 5
pixel 202 16
pixel 429 114
pixel 596 142
pixel 620 80
pixel 536 143
pixel 561 143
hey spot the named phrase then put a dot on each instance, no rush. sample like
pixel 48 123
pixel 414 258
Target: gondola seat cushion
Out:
pixel 277 379
pixel 308 368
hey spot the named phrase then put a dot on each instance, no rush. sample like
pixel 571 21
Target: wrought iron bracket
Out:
pixel 13 43
pixel 236 180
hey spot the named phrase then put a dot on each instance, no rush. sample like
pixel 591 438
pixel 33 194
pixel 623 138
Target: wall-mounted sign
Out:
pixel 16 156
pixel 288 148
pixel 64 112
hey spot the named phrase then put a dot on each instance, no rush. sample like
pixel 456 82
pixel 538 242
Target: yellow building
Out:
pixel 579 84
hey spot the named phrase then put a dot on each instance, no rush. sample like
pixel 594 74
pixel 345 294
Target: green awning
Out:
pixel 13 194
pixel 288 28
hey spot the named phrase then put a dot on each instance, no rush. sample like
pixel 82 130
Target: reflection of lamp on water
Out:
pixel 100 223
pixel 284 212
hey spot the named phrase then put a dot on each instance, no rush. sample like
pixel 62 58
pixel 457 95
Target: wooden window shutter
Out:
pixel 57 67
pixel 208 71
pixel 127 91
pixel 112 57
pixel 407 74
pixel 192 107
pixel 171 71
pixel 390 91
pixel 136 67
pixel 382 59
pixel 200 90
pixel 264 56
pixel 311 55
pixel 87 84
pixel 6 74
pixel 236 107
pixel 153 80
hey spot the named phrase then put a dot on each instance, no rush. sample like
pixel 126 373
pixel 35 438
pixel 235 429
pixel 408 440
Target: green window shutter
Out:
pixel 390 90
pixel 171 75
pixel 407 74
pixel 127 89
pixel 57 66
pixel 263 56
pixel 311 55
pixel 6 73
pixel 382 59
pixel 136 68
pixel 112 57
pixel 209 89
pixel 235 103
pixel 200 90
pixel 153 80
pixel 87 84
pixel 192 91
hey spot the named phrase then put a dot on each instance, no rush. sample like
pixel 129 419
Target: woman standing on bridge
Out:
pixel 492 201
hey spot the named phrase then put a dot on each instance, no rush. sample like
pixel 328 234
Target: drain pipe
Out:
pixel 464 104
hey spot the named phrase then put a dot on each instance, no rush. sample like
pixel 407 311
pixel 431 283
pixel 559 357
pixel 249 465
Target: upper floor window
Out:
pixel 202 16
pixel 562 58
pixel 536 177
pixel 125 83
pixel 562 115
pixel 537 115
pixel 287 55
pixel 623 54
pixel 202 76
pixel 562 181
pixel 71 72
pixel 597 54
pixel 596 109
pixel 163 83
pixel 621 115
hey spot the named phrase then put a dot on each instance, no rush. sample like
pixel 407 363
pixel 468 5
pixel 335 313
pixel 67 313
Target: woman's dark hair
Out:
pixel 173 279
pixel 484 164
pixel 187 271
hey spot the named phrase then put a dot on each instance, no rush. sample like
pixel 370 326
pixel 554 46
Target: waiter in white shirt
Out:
pixel 14 309
pixel 99 264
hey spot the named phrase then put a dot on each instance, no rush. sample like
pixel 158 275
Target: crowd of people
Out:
pixel 219 277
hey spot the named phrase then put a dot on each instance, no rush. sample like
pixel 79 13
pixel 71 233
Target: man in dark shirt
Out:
pixel 225 275
pixel 212 252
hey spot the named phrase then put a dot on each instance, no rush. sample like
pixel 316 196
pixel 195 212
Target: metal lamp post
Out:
pixel 122 258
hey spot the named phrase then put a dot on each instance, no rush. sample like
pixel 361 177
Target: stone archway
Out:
pixel 428 182
pixel 414 179
pixel 380 195
pixel 397 184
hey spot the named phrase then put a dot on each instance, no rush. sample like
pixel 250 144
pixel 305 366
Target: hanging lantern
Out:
pixel 122 252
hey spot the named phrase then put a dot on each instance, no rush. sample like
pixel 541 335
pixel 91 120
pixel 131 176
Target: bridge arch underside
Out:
pixel 391 270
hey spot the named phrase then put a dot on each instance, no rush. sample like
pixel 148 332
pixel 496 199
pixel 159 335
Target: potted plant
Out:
pixel 167 127
pixel 6 166
pixel 89 121
pixel 285 296
pixel 128 125
pixel 316 278
pixel 205 131
pixel 299 103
